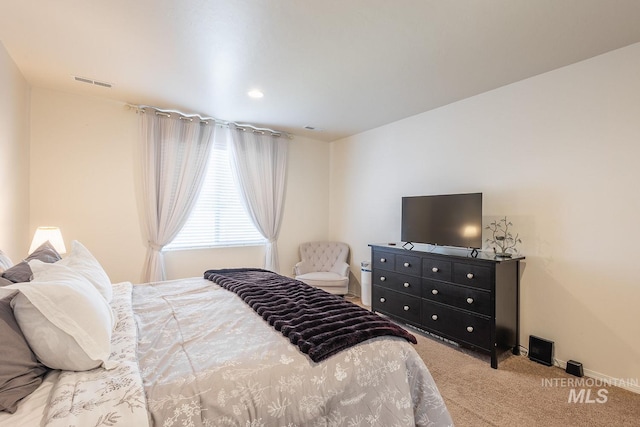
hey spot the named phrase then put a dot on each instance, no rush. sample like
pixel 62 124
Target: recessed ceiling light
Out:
pixel 255 93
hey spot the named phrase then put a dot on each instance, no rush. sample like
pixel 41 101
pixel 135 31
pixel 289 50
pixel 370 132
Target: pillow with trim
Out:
pixel 82 261
pixel 66 321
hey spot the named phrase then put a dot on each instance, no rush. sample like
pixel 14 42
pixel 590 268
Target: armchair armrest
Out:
pixel 342 268
pixel 301 268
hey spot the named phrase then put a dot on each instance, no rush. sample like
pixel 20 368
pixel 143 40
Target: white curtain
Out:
pixel 259 165
pixel 175 151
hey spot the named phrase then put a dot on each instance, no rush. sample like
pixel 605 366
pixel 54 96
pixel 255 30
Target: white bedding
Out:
pixel 97 397
pixel 380 382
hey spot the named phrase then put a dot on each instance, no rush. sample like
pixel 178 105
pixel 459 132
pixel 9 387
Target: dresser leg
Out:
pixel 494 360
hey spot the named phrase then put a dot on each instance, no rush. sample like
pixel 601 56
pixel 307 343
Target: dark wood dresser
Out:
pixel 473 301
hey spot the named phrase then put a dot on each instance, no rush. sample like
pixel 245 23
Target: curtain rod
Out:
pixel 186 116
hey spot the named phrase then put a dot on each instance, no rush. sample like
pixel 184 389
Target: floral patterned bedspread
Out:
pixel 208 360
pixel 101 397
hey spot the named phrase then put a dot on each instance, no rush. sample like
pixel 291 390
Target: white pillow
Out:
pixel 82 261
pixel 5 262
pixel 65 320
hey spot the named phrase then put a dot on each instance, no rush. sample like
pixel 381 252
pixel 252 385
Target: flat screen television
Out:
pixel 443 220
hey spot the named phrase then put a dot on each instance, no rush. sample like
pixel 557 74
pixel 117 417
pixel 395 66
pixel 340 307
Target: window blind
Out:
pixel 218 217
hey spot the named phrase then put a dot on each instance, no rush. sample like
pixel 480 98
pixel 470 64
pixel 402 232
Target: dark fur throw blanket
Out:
pixel 319 323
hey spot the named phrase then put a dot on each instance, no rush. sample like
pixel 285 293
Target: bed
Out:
pixel 191 352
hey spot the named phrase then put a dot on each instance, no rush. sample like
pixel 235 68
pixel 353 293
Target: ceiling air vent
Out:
pixel 92 82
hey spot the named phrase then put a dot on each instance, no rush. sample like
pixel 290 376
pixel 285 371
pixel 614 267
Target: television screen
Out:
pixel 444 220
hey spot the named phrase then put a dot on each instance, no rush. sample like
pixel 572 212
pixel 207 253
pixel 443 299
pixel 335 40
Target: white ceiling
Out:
pixel 344 66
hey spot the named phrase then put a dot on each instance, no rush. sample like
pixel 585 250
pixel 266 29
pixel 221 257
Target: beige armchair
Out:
pixel 324 265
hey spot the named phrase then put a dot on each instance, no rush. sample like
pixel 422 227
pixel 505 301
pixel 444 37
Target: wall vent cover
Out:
pixel 92 82
pixel 541 350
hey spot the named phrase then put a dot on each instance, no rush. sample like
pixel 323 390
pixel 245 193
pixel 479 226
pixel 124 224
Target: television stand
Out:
pixel 471 300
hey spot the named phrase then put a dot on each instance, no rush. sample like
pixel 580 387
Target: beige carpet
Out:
pixel 514 394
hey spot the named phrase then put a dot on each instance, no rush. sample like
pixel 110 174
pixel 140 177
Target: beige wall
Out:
pixel 15 234
pixel 558 155
pixel 83 175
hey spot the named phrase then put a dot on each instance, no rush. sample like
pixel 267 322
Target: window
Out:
pixel 219 217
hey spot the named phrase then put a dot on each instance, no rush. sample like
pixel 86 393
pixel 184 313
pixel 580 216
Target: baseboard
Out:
pixel 630 384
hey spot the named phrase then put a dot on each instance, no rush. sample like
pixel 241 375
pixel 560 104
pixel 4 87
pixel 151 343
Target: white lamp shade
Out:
pixel 52 234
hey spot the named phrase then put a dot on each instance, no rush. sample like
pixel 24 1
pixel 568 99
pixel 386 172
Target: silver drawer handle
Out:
pixel 382 299
pixel 406 284
pixel 434 291
pixel 435 269
pixel 469 275
pixel 382 278
pixel 383 260
pixel 469 328
pixel 470 300
pixel 406 264
pixel 406 308
pixel 434 317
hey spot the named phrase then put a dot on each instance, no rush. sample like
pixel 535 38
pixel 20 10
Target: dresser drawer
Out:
pixel 397 282
pixel 408 264
pixel 436 269
pixel 457 325
pixel 472 275
pixel 472 299
pixel 384 260
pixel 396 304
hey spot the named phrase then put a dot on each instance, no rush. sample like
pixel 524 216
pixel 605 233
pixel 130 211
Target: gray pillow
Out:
pixel 21 272
pixel 18 273
pixel 20 371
